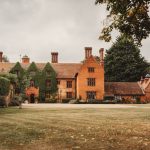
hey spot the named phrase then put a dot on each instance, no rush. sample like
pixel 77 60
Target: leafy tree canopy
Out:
pixel 10 76
pixel 127 16
pixel 123 61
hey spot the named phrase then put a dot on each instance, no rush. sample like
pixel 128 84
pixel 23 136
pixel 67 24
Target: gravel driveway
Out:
pixel 58 105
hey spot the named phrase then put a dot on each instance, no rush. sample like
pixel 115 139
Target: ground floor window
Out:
pixel 68 94
pixel 47 94
pixel 91 95
pixel 135 97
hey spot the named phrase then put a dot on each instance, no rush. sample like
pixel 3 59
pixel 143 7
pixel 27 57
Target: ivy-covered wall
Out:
pixel 48 81
pixel 4 86
pixel 20 73
pixel 44 79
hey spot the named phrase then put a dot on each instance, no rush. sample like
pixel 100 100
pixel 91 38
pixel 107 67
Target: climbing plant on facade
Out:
pixel 48 81
pixel 4 86
pixel 20 72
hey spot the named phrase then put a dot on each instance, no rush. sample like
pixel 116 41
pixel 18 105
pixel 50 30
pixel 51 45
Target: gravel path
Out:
pixel 85 106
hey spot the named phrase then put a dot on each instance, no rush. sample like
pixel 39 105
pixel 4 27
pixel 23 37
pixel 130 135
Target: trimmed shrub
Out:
pixel 4 86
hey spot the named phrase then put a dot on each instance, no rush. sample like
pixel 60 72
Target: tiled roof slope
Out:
pixel 63 70
pixel 122 88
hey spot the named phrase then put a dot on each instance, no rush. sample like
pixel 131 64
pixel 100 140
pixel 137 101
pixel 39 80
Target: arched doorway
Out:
pixel 32 98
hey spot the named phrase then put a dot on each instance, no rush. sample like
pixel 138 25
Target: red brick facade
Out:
pixel 84 80
pixel 83 89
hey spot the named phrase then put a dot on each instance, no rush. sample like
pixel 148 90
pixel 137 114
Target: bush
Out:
pixel 128 101
pixel 74 102
pixel 16 101
pixel 2 101
pixel 50 101
pixel 66 100
pixel 24 97
pixel 4 86
pixel 138 100
pixel 94 101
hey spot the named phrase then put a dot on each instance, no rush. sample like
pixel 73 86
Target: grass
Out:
pixel 71 129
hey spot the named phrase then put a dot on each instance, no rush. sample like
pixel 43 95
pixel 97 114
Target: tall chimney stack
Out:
pixel 1 56
pixel 54 58
pixel 101 51
pixel 88 52
pixel 25 59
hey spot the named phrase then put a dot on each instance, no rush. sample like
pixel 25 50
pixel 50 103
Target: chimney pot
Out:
pixel 54 58
pixel 101 51
pixel 1 56
pixel 25 59
pixel 88 52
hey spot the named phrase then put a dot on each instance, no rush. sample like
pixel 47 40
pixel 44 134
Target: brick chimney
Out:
pixel 88 52
pixel 25 59
pixel 54 58
pixel 101 51
pixel 1 56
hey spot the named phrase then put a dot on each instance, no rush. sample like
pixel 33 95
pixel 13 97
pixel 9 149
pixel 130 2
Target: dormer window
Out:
pixel 48 72
pixel 17 72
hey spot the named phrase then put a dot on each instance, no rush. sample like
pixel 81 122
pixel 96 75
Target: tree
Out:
pixel 123 61
pixel 5 59
pixel 127 16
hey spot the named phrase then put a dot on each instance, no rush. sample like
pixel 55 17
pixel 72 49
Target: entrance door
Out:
pixel 91 95
pixel 32 98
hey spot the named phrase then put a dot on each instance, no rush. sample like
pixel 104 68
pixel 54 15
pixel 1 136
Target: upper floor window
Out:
pixel 48 72
pixel 32 73
pixel 91 69
pixel 69 84
pixel 48 83
pixel 17 72
pixel 58 82
pixel 91 81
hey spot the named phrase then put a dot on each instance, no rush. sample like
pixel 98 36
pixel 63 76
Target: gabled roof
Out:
pixel 122 88
pixel 63 70
pixel 66 70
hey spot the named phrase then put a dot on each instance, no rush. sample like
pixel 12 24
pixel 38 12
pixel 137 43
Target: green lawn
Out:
pixel 66 129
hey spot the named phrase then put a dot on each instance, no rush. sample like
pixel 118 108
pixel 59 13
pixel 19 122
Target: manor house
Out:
pixel 84 80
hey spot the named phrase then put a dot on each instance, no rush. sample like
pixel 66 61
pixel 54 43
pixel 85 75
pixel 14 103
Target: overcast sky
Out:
pixel 37 27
